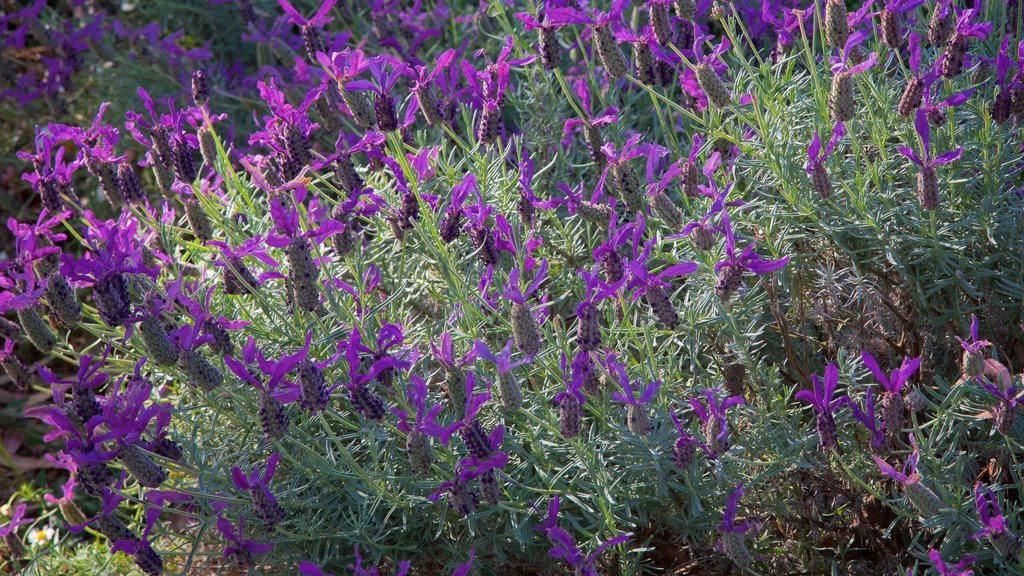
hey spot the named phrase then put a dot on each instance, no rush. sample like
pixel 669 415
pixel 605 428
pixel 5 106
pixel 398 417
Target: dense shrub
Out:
pixel 513 288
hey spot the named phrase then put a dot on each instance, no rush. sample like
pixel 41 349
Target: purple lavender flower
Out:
pixel 821 399
pixel 892 398
pixel 417 443
pixel 868 419
pixel 702 232
pixel 303 273
pixel 816 160
pixel 311 29
pixel 730 271
pixel 51 175
pixel 934 110
pixel 489 86
pixel 423 86
pixel 449 228
pixel 478 443
pixel 1002 107
pixel 121 538
pixel 784 29
pixel 994 526
pixel 242 550
pixel 563 547
pixel 1005 411
pixel 921 496
pixel 709 68
pixel 842 102
pixel 455 379
pixel 188 338
pixel 237 278
pixel 974 357
pixel 914 92
pixel 591 124
pixel 625 182
pixel 9 531
pixel 637 419
pixel 588 317
pixel 890 21
pixel 946 570
pixel 384 81
pixel 344 67
pixel 553 18
pixel 652 286
pixel 287 129
pixel 126 416
pixel 685 447
pixel 461 496
pixel 525 329
pixel 715 422
pixel 509 392
pixel 570 400
pixel 734 536
pixel 263 501
pixel 270 380
pixel 113 253
pixel 366 403
pixel 956 48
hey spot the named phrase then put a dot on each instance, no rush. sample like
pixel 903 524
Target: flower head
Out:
pixel 946 570
pixel 843 63
pixel 976 345
pixel 424 420
pixel 921 123
pixel 728 524
pixel 893 383
pixel 563 547
pixel 991 516
pixel 868 419
pixel 821 396
pixel 747 259
pixel 241 547
pixel 513 290
pixel 17 519
pixel 817 157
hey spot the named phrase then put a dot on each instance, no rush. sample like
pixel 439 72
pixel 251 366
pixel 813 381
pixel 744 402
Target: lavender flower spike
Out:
pixel 927 181
pixel 563 546
pixel 867 418
pixel 685 448
pixel 509 391
pixel 734 536
pixel 974 357
pixel 816 160
pixel 417 441
pixel 637 419
pixel 923 498
pixel 730 271
pixel 264 504
pixel 946 570
pixel 892 398
pixel 524 325
pixel 821 399
pixel 715 423
pixel 994 526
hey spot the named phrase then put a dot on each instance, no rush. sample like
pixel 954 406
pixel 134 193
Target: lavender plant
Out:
pixel 249 349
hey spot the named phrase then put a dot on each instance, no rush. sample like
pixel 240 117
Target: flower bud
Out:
pixel 608 51
pixel 158 345
pixel 525 330
pixel 199 370
pixel 139 464
pixel 37 329
pixel 62 300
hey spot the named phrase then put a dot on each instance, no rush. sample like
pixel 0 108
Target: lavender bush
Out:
pixel 365 286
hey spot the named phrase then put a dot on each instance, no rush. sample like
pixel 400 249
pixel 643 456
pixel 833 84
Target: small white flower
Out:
pixel 6 510
pixel 40 536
